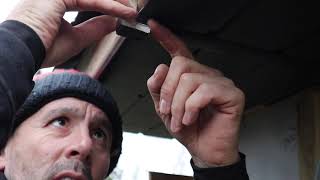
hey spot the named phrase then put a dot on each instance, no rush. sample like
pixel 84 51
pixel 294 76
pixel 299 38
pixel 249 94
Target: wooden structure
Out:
pixel 309 133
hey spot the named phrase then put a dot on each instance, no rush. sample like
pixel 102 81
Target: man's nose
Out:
pixel 81 145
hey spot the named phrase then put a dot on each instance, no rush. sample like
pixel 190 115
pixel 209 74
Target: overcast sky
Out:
pixel 8 5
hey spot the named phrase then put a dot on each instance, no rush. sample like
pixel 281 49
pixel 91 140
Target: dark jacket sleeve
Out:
pixel 236 171
pixel 21 54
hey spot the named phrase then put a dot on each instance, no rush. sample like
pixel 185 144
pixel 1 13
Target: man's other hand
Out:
pixel 61 40
pixel 198 105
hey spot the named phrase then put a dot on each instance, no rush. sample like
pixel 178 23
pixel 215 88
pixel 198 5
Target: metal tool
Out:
pixel 134 29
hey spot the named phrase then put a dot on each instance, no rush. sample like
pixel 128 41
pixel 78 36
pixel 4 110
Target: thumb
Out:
pixel 72 40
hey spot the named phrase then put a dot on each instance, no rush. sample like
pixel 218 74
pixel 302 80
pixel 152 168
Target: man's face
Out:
pixel 67 138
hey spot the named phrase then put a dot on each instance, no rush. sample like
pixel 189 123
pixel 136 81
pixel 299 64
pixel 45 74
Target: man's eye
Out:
pixel 59 122
pixel 99 134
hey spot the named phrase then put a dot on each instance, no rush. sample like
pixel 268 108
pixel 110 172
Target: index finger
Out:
pixel 111 7
pixel 174 45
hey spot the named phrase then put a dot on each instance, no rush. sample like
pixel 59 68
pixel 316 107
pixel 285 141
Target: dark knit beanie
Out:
pixel 62 84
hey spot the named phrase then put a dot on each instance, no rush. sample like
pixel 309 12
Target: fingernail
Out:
pixel 172 125
pixel 175 125
pixel 163 106
pixel 187 118
pixel 156 71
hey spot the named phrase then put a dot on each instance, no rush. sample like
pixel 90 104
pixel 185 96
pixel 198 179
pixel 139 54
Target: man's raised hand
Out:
pixel 198 105
pixel 60 39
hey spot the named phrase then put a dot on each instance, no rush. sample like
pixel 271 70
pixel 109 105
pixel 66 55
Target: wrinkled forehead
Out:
pixel 74 108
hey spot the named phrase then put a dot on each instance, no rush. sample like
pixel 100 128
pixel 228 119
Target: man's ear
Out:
pixel 2 160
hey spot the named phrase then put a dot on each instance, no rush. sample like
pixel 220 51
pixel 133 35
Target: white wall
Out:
pixel 268 138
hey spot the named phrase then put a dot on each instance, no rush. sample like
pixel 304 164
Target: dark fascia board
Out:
pixel 200 16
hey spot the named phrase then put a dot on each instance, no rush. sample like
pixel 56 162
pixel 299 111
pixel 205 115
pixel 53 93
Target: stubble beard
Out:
pixel 54 169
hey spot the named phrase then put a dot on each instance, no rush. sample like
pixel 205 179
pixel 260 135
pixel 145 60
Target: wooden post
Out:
pixel 309 133
pixel 96 58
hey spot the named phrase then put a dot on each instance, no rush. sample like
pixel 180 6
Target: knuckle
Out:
pixel 208 87
pixel 186 77
pixel 218 72
pixel 223 82
pixel 150 82
pixel 237 97
pixel 166 92
pixel 228 81
pixel 176 110
pixel 162 66
pixel 209 91
pixel 180 62
pixel 215 72
pixel 191 107
pixel 240 94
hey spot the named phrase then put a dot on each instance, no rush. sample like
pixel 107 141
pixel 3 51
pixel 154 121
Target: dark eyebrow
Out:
pixel 64 110
pixel 98 119
pixel 104 121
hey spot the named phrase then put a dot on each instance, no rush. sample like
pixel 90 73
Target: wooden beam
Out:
pixel 96 58
pixel 309 133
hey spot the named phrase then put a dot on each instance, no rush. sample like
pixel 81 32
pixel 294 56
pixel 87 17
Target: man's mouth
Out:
pixel 69 175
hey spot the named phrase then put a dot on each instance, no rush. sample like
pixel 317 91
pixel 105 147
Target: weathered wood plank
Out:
pixel 309 133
